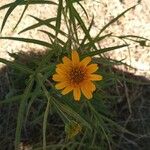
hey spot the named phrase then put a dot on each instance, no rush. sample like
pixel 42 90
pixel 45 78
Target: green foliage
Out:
pixel 87 124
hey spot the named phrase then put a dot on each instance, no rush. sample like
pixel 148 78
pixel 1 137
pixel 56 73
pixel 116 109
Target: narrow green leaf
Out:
pixel 85 37
pixel 111 62
pixel 42 22
pixel 9 11
pixel 21 112
pixel 95 40
pixel 72 113
pixel 49 100
pixel 72 23
pixel 138 39
pixel 85 12
pixel 133 36
pixel 101 116
pixel 93 53
pixel 116 18
pixel 11 99
pixel 42 43
pixel 105 134
pixel 48 68
pixel 32 2
pixel 34 95
pixel 134 81
pixel 53 36
pixel 49 72
pixel 18 66
pixel 82 24
pixel 45 124
pixel 58 18
pixel 118 126
pixel 25 8
pixel 76 1
pixel 45 59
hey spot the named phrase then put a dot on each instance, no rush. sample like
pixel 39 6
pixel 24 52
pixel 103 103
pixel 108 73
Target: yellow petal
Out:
pixel 62 66
pixel 85 61
pixel 66 60
pixel 91 86
pixel 92 68
pixel 61 85
pixel 75 57
pixel 60 71
pixel 87 93
pixel 57 77
pixel 77 93
pixel 67 90
pixel 95 77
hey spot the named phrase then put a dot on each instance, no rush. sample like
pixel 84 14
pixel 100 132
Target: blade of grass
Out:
pixel 42 43
pixel 49 68
pixel 116 18
pixel 25 8
pixel 83 9
pixel 42 22
pixel 134 81
pixel 35 94
pixel 82 24
pixel 133 36
pixel 18 66
pixel 85 37
pixel 30 2
pixel 44 61
pixel 9 11
pixel 40 80
pixel 105 134
pixel 111 62
pixel 49 72
pixel 72 23
pixel 22 111
pixel 95 40
pixel 93 53
pixel 49 102
pixel 45 123
pixel 53 36
pixel 67 109
pixel 11 99
pixel 58 18
pixel 111 121
pixel 140 40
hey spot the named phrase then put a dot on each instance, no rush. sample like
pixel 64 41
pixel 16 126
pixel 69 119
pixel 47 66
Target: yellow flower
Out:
pixel 72 129
pixel 77 76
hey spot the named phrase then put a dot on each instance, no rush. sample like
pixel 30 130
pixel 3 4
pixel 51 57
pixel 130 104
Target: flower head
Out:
pixel 77 76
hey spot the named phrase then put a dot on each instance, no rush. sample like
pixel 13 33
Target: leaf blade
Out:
pixel 34 41
pixel 18 66
pixel 22 111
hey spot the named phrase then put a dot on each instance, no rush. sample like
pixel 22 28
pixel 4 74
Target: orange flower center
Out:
pixel 77 75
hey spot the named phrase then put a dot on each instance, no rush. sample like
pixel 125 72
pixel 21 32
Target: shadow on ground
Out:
pixel 132 109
